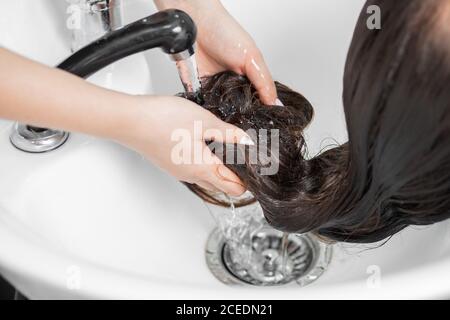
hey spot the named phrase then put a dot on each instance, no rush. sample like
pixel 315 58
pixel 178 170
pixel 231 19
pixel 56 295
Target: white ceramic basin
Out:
pixel 95 220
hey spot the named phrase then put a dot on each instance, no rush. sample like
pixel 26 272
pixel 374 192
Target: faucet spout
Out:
pixel 171 30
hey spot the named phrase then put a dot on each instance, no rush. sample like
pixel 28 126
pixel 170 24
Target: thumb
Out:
pixel 220 131
pixel 216 175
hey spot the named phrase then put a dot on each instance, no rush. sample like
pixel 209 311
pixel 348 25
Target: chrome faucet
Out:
pixel 97 17
pixel 171 30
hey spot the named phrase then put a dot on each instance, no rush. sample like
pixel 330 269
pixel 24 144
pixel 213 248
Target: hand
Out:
pixel 222 44
pixel 147 124
pixel 171 132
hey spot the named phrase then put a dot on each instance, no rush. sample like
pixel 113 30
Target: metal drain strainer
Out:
pixel 36 140
pixel 306 259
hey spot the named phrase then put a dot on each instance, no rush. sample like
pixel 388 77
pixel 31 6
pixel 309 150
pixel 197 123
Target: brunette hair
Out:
pixel 395 169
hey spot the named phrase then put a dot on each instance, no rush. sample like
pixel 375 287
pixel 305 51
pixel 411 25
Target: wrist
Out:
pixel 113 115
pixel 142 114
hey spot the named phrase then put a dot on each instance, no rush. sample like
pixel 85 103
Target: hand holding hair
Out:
pixel 47 97
pixel 222 44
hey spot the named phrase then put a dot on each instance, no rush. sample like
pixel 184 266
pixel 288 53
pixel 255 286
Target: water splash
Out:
pixel 284 253
pixel 255 253
pixel 188 72
pixel 238 232
pixel 249 252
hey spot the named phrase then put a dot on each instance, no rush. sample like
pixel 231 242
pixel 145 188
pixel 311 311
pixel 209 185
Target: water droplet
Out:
pixel 255 65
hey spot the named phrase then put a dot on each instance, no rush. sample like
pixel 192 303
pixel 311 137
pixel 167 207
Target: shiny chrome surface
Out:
pixel 307 259
pixel 96 17
pixel 36 140
pixel 183 55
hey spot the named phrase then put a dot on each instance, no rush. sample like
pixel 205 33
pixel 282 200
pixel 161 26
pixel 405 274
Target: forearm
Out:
pixel 47 97
pixel 42 96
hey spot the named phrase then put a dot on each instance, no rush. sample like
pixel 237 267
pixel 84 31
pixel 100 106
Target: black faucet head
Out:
pixel 179 33
pixel 171 30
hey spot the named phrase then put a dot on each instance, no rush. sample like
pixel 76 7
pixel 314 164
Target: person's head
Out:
pixel 395 169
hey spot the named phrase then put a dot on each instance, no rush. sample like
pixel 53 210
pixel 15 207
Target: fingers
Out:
pixel 259 74
pixel 226 181
pixel 217 176
pixel 221 131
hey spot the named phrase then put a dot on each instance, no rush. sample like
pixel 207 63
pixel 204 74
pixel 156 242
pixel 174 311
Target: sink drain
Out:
pixel 36 140
pixel 305 261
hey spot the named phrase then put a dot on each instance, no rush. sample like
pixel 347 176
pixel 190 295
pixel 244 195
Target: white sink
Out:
pixel 95 220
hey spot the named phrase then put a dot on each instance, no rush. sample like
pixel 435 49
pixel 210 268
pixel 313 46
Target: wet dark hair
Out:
pixel 395 169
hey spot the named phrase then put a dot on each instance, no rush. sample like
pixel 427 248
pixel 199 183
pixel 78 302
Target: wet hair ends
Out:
pixel 395 169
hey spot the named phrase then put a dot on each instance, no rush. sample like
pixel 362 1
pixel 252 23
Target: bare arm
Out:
pixel 47 97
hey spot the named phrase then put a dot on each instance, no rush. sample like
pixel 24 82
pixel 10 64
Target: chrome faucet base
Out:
pixel 97 18
pixel 36 140
pixel 183 55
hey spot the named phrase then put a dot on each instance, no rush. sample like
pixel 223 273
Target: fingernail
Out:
pixel 246 140
pixel 278 102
